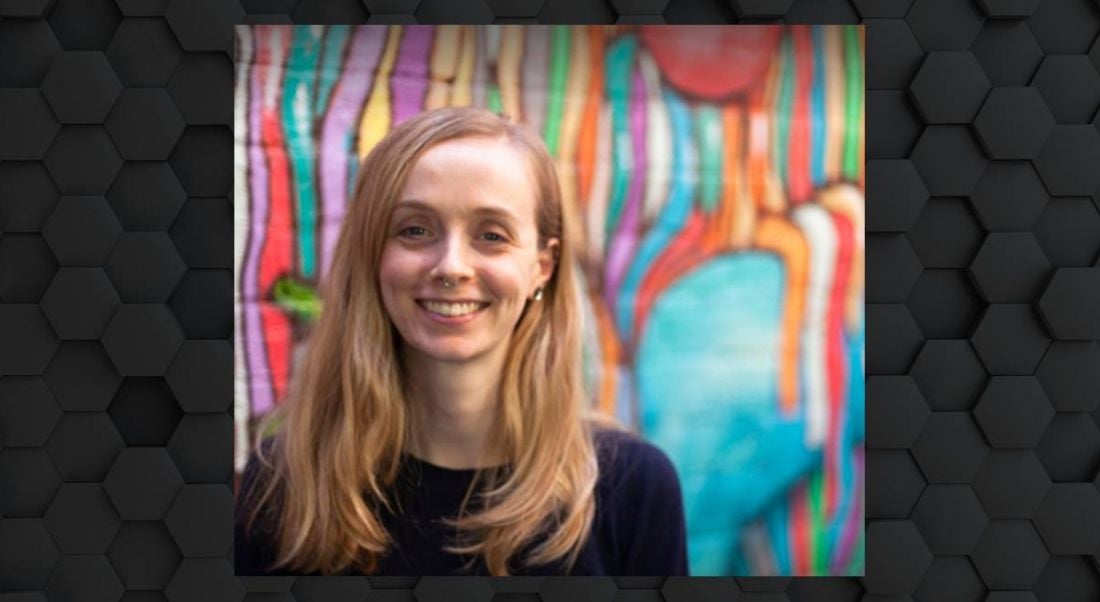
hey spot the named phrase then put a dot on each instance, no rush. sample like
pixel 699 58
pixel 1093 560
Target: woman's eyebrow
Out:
pixel 486 210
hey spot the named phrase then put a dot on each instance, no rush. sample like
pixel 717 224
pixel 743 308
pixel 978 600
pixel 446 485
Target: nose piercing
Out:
pixel 448 283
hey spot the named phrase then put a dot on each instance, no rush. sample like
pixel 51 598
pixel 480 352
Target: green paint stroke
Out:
pixel 298 299
pixel 620 59
pixel 555 98
pixel 301 70
pixel 854 102
pixel 784 103
pixel 708 124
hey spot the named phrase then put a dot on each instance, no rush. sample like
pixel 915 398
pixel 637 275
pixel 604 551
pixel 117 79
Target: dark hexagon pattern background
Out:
pixel 983 216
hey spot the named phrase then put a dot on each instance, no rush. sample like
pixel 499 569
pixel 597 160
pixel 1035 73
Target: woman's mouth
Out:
pixel 451 312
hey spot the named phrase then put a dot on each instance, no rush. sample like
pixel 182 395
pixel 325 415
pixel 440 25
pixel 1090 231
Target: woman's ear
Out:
pixel 548 260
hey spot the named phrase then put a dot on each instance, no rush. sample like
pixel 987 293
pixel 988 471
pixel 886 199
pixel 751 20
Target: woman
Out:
pixel 437 424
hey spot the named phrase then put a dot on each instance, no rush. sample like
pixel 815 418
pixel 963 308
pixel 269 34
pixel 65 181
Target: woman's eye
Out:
pixel 494 237
pixel 413 231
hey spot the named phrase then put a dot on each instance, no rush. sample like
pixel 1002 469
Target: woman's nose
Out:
pixel 453 261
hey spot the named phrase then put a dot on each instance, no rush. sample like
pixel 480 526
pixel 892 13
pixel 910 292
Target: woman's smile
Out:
pixel 452 312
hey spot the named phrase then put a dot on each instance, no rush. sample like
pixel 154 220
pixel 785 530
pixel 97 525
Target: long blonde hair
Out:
pixel 343 431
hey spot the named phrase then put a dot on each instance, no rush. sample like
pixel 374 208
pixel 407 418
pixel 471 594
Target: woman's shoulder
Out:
pixel 629 462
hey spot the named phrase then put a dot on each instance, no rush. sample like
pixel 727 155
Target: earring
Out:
pixel 538 294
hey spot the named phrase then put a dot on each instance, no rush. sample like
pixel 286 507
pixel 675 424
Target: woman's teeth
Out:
pixel 452 309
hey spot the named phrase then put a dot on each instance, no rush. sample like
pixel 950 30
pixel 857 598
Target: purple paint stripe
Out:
pixel 626 237
pixel 259 381
pixel 847 544
pixel 338 130
pixel 409 82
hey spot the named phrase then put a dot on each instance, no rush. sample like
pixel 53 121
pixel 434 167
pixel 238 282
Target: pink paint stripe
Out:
pixel 625 240
pixel 854 522
pixel 259 383
pixel 409 82
pixel 338 130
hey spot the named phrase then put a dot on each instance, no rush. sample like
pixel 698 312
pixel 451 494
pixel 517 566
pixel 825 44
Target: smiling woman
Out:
pixel 438 424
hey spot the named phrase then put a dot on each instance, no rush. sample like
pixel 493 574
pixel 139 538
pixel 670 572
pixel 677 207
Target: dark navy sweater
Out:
pixel 638 528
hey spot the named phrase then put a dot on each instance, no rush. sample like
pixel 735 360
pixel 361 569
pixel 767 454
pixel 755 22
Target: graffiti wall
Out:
pixel 719 174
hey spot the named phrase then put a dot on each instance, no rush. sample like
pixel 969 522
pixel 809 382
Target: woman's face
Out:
pixel 461 257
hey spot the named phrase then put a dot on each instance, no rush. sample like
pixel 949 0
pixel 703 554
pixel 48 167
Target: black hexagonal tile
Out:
pixel 1069 519
pixel 1009 197
pixel 576 11
pixel 201 376
pixel 27 554
pixel 1066 163
pixel 900 559
pixel 950 448
pixel 145 267
pixel 1064 26
pixel 1070 85
pixel 144 52
pixel 876 9
pixel 146 196
pixel 1068 304
pixel 85 577
pixel 203 233
pixel 83 160
pixel 944 25
pixel 205 579
pixel 203 161
pixel 893 338
pixel 1011 596
pixel 1009 555
pixel 1003 9
pixel 1013 411
pixel 1070 449
pixel 37 480
pixel 1010 268
pixel 279 584
pixel 896 413
pixel 949 87
pixel 26 267
pixel 1007 52
pixel 949 374
pixel 79 302
pixel 893 54
pixel 201 520
pixel 82 377
pixel 1069 376
pixel 204 24
pixel 34 43
pixel 81 231
pixel 892 268
pixel 950 518
pixel 202 447
pixel 1011 483
pixel 29 125
pixel 144 555
pixel 83 446
pixel 944 304
pixel 531 8
pixel 1068 578
pixel 143 595
pixel 345 589
pixel 439 589
pixel 82 519
pixel 949 160
pixel 898 483
pixel 27 196
pixel 946 235
pixel 142 339
pixel 28 342
pixel 1010 339
pixel 1013 123
pixel 896 141
pixel 338 11
pixel 829 11
pixel 1069 232
pixel 380 6
pixel 899 192
pixel 24 8
pixel 199 85
pixel 589 588
pixel 202 304
pixel 142 483
pixel 753 585
pixel 142 8
pixel 84 24
pixel 144 124
pixel 144 411
pixel 28 411
pixel 950 578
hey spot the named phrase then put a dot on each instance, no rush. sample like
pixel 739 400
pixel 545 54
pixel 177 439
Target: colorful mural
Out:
pixel 719 173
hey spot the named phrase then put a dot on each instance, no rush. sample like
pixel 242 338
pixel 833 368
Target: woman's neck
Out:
pixel 454 407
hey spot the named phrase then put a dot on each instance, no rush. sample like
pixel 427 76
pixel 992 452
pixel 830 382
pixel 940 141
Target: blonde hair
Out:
pixel 346 424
